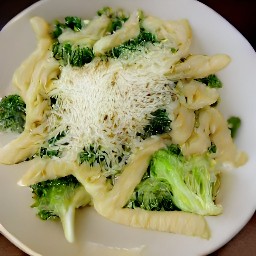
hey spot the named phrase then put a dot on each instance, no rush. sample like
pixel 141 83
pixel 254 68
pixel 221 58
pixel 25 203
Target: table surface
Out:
pixel 241 14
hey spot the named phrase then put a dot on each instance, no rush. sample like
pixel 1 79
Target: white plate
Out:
pixel 211 34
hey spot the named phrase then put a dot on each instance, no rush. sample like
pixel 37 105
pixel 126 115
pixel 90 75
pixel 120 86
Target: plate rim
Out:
pixel 35 5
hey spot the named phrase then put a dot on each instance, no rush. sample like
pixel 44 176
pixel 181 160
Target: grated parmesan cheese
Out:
pixel 106 103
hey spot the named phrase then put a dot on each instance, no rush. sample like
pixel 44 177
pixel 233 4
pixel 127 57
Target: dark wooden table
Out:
pixel 241 14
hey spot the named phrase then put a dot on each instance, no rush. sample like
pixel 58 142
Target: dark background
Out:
pixel 242 15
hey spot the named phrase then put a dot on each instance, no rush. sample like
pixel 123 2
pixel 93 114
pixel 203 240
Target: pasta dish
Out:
pixel 119 115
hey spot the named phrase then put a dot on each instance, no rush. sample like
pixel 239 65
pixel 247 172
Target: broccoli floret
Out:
pixel 152 195
pixel 72 22
pixel 59 198
pixel 191 181
pixel 212 81
pixel 234 124
pixel 77 56
pixel 12 113
pixel 158 124
pixel 62 52
pixel 133 44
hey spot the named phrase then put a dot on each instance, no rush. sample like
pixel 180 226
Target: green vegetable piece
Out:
pixel 212 148
pixel 50 150
pixel 158 124
pixel 190 180
pixel 174 149
pixel 152 195
pixel 62 52
pixel 91 156
pixel 212 81
pixel 59 198
pixel 76 56
pixel 80 56
pixel 105 11
pixel 12 113
pixel 117 23
pixel 73 22
pixel 49 153
pixel 87 156
pixel 58 29
pixel 133 44
pixel 234 124
pixel 173 50
pixel 53 140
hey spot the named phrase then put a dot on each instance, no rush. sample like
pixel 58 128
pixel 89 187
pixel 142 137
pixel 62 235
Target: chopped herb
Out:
pixel 91 156
pixel 173 50
pixel 212 148
pixel 158 124
pixel 234 124
pixel 212 81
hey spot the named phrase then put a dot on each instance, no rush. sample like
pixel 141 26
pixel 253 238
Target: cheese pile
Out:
pixel 106 103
